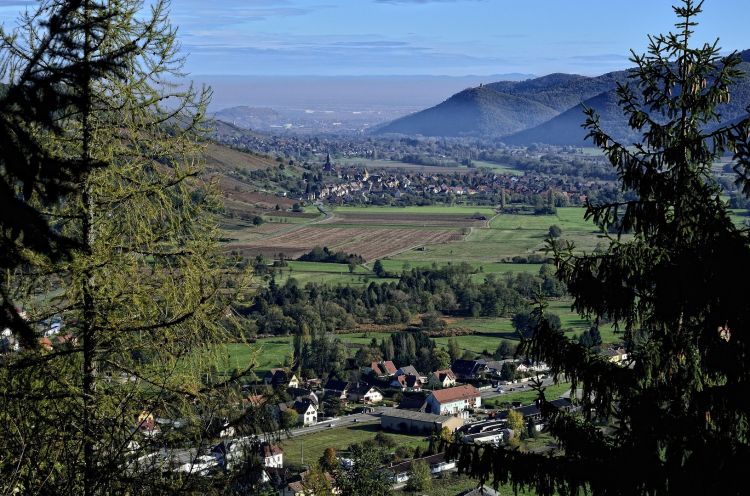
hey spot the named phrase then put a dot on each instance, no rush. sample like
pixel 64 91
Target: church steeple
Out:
pixel 328 166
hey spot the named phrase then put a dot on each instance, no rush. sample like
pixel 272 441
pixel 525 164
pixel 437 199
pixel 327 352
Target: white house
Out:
pixel 273 456
pixel 364 393
pixel 308 412
pixel 441 379
pixel 281 377
pixel 453 400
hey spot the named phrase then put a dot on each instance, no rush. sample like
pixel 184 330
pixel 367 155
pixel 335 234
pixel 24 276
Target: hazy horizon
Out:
pixel 423 37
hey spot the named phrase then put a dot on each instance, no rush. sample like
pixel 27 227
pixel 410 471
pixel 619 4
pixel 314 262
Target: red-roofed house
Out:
pixel 381 369
pixel 389 367
pixel 453 400
pixel 273 456
pixel 441 379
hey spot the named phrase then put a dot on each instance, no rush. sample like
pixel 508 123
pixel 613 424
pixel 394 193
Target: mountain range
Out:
pixel 546 109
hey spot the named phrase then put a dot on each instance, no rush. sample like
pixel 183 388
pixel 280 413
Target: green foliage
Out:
pixel 289 418
pixel 516 422
pixel 366 477
pixel 141 298
pixel 679 422
pixel 316 482
pixel 420 478
pixel 325 255
pixel 329 461
pixel 378 269
pixel 508 371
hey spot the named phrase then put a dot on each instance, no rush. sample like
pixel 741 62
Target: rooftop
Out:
pixel 412 415
pixel 456 393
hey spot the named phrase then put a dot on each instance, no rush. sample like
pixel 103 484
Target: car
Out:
pixel 355 420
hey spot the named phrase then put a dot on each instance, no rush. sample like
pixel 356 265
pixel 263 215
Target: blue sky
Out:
pixel 436 37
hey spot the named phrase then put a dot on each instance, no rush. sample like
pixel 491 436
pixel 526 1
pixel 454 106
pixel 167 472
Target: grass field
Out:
pixel 324 273
pixel 501 168
pixel 527 397
pixel 266 354
pixel 340 438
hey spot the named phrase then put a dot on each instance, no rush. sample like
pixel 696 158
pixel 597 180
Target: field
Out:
pixel 372 165
pixel 340 438
pixel 405 219
pixel 367 242
pixel 325 273
pixel 526 397
pixel 413 237
pixel 501 168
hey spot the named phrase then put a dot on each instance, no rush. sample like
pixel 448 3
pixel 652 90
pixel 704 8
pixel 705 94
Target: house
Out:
pixel 408 370
pixel 272 460
pixel 381 369
pixel 296 486
pixel 468 369
pixel 302 393
pixel 397 420
pixel 412 401
pixel 407 383
pixel 400 472
pixel 307 410
pixel 453 400
pixel 272 455
pixel 441 379
pixel 615 354
pixel 374 367
pixel 364 393
pixel 532 367
pixel 336 388
pixel 281 377
pixel 496 366
pixel 389 367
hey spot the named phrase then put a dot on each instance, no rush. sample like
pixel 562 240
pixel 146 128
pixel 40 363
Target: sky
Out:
pixel 426 37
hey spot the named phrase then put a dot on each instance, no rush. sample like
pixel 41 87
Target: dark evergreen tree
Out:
pixel 678 412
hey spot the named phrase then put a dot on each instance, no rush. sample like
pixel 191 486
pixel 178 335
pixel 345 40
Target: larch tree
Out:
pixel 675 416
pixel 141 294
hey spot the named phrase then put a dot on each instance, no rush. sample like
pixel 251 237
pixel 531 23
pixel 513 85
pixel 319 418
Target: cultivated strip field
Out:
pixel 405 219
pixel 370 243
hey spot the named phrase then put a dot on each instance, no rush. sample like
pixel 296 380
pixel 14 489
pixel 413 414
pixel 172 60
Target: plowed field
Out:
pixel 370 243
pixel 406 219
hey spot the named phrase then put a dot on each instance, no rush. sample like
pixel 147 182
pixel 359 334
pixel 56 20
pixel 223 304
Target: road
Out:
pixel 191 456
pixel 337 422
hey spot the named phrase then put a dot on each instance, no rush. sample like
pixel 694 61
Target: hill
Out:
pixel 565 129
pixel 221 158
pixel 474 111
pixel 562 91
pixel 547 109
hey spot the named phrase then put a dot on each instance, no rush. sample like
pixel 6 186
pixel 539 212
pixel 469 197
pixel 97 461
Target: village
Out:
pixel 440 405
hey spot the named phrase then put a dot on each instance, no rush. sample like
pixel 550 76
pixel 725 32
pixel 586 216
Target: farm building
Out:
pixel 409 421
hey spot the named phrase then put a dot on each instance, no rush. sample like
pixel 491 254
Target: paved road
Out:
pixel 338 422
